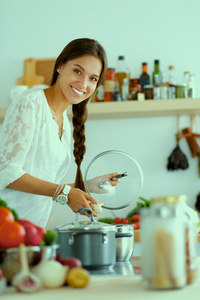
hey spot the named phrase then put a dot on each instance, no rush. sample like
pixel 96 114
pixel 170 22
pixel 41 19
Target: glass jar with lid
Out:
pixel 163 259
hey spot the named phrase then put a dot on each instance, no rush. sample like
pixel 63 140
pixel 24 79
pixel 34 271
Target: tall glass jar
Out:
pixel 163 259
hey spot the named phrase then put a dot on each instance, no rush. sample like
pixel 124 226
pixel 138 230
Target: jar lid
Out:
pixel 170 199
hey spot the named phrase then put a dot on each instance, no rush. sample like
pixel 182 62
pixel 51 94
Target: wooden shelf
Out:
pixel 130 109
pixel 147 108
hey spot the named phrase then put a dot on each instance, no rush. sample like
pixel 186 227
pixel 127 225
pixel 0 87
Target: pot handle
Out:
pixel 123 234
pixel 80 211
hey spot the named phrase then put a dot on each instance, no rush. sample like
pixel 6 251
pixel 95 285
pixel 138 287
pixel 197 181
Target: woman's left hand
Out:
pixel 95 184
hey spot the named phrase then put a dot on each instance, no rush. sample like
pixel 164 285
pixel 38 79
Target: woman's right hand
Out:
pixel 78 199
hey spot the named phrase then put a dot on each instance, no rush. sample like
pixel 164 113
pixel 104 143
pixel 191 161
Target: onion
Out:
pixel 51 273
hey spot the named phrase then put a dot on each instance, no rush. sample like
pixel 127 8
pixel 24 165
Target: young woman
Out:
pixel 35 151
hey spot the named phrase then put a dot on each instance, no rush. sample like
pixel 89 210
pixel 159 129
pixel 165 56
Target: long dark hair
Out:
pixel 74 49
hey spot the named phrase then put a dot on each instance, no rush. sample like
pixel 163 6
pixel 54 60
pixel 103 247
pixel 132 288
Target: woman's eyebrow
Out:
pixel 77 65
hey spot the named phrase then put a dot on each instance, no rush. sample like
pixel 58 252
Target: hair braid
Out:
pixel 74 49
pixel 78 120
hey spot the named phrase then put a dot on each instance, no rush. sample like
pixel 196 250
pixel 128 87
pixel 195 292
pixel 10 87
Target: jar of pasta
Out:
pixel 163 259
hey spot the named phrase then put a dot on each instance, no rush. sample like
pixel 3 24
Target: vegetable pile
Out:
pixel 133 217
pixel 46 273
pixel 14 231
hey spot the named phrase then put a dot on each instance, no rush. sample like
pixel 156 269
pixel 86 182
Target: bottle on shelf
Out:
pixel 109 84
pixel 148 91
pixel 157 74
pixel 134 88
pixel 144 77
pixel 156 87
pixel 122 71
pixel 116 94
pixel 164 89
pixel 172 83
pixel 185 83
pixel 191 87
pixel 172 76
pixel 125 89
pixel 99 96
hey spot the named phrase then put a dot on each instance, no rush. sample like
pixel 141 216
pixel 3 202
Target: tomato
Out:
pixel 137 225
pixel 135 218
pixel 12 234
pixel 6 215
pixel 125 221
pixel 118 220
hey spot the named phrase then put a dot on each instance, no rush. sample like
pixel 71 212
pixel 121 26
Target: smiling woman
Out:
pixel 35 151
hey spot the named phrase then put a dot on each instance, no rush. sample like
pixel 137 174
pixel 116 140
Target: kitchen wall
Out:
pixel 140 30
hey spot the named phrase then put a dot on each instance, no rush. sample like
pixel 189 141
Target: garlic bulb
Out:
pixel 97 207
pixel 25 281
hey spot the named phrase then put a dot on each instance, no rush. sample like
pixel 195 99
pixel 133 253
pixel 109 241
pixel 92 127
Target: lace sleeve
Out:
pixel 16 137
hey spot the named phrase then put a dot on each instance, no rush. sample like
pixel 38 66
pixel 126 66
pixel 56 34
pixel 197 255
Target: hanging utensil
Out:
pixel 177 159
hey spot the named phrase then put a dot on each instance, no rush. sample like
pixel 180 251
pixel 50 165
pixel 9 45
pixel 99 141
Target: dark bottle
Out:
pixel 157 74
pixel 144 78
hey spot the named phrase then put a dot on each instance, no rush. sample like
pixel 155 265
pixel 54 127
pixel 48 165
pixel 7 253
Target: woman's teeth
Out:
pixel 78 92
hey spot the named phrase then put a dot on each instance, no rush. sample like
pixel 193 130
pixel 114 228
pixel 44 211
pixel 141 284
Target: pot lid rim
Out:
pixel 88 226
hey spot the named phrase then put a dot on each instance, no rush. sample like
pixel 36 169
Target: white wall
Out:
pixel 140 30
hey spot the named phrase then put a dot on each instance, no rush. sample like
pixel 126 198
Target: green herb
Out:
pixel 106 220
pixel 3 203
pixel 143 203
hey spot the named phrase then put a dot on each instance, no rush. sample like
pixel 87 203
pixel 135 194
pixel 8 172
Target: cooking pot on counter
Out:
pixel 124 242
pixel 90 241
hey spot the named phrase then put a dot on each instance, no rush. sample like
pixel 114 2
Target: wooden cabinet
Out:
pixel 132 109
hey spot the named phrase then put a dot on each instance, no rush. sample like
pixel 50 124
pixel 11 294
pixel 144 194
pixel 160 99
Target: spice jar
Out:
pixel 109 84
pixel 163 259
pixel 134 88
pixel 181 91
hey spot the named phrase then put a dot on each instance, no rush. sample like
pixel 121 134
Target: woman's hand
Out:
pixel 78 199
pixel 95 184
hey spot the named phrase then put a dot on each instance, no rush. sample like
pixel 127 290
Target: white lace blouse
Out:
pixel 29 143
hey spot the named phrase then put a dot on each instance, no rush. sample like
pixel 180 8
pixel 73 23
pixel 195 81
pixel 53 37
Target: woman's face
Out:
pixel 78 78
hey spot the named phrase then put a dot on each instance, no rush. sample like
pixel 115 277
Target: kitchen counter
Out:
pixel 109 287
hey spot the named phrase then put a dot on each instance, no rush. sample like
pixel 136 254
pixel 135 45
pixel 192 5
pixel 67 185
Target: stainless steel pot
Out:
pixel 92 242
pixel 124 242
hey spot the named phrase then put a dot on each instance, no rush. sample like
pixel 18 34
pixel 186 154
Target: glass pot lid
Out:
pixel 85 226
pixel 103 190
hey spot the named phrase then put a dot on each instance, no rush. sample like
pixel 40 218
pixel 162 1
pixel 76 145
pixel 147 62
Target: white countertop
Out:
pixel 109 288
